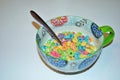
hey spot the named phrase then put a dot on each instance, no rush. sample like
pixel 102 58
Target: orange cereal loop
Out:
pixel 55 48
pixel 64 48
pixel 91 39
pixel 64 43
pixel 73 46
pixel 87 46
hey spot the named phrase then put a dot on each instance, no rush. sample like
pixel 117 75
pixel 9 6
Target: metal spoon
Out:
pixel 47 28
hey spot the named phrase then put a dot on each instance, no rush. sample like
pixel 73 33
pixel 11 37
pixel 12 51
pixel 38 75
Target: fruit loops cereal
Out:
pixel 74 46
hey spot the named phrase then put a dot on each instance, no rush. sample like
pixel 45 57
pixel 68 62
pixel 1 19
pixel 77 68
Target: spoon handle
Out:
pixel 47 28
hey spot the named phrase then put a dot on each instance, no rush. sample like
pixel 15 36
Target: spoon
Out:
pixel 47 28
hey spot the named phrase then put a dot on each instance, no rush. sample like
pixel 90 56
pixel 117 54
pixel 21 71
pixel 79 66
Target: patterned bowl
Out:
pixel 74 24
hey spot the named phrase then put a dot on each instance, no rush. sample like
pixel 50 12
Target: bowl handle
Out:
pixel 108 33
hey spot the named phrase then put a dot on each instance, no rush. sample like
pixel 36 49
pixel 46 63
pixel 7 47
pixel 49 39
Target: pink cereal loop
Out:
pixel 55 54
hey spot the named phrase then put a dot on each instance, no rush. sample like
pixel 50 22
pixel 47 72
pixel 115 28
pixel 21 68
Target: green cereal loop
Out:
pixel 79 33
pixel 63 57
pixel 60 51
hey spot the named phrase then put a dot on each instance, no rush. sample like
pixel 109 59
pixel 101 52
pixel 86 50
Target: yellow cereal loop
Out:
pixel 47 44
pixel 93 48
pixel 83 56
pixel 75 40
pixel 76 35
pixel 60 47
pixel 83 43
pixel 88 50
pixel 68 43
pixel 70 58
pixel 54 41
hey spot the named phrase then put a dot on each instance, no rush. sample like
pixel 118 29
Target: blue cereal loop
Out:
pixel 81 48
pixel 80 39
pixel 67 37
pixel 87 39
pixel 44 48
pixel 56 44
pixel 77 55
pixel 71 36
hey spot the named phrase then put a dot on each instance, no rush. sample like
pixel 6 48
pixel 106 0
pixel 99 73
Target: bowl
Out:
pixel 82 43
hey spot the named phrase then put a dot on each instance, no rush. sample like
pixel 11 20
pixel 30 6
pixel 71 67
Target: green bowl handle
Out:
pixel 108 33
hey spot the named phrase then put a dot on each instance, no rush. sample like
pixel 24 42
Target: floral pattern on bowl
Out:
pixel 59 21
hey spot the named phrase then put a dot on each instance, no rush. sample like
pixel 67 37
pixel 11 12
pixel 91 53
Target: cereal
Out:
pixel 74 46
pixel 83 56
pixel 77 55
pixel 44 48
pixel 85 52
pixel 55 54
pixel 60 35
pixel 83 43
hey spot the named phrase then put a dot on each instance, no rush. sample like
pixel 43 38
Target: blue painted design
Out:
pixel 38 38
pixel 57 62
pixel 87 62
pixel 96 32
